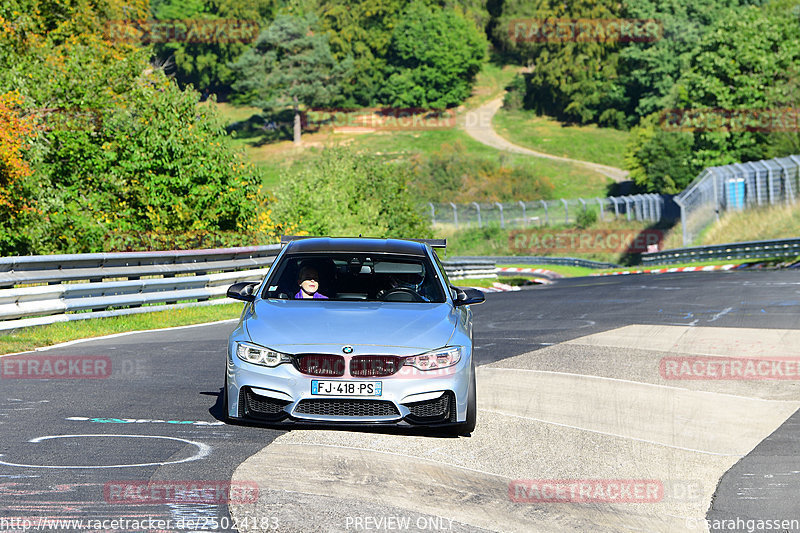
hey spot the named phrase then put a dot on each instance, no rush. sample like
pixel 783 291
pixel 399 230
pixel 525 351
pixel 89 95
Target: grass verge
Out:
pixel 36 337
pixel 586 143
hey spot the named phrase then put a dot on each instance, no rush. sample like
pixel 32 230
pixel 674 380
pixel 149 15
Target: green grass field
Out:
pixel 587 143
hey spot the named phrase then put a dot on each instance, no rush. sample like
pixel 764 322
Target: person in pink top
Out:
pixel 308 279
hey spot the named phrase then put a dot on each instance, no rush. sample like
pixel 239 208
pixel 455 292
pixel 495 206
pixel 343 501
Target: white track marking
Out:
pixel 202 451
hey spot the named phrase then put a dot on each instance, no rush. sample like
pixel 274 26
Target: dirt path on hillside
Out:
pixel 478 124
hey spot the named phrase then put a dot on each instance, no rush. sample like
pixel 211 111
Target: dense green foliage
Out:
pixel 432 59
pixel 345 193
pixel 723 54
pixel 365 29
pixel 116 148
pixel 755 70
pixel 205 65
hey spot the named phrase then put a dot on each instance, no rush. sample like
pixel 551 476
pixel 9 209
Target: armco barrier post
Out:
pixel 500 207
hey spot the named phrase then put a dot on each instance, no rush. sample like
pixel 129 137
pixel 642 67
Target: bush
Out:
pixel 343 193
pixel 586 218
pixel 453 175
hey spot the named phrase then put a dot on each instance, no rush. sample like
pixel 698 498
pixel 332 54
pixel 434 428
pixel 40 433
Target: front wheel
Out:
pixel 225 416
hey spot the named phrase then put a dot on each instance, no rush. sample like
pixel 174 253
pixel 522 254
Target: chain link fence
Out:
pixel 539 213
pixel 736 187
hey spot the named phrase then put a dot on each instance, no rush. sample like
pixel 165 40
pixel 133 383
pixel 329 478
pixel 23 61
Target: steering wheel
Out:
pixel 383 295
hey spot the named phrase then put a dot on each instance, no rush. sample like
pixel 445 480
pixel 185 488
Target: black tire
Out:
pixel 225 417
pixel 466 428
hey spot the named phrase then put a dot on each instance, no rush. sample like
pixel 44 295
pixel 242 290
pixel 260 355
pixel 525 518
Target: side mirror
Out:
pixel 243 290
pixel 468 296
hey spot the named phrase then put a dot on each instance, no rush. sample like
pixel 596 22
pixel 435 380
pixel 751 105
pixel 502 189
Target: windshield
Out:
pixel 354 276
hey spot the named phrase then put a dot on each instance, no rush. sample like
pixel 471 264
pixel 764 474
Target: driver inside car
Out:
pixel 403 283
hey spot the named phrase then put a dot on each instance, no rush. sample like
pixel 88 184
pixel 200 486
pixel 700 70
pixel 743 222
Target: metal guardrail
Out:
pixel 83 286
pixel 537 260
pixel 40 290
pixel 470 268
pixel 725 252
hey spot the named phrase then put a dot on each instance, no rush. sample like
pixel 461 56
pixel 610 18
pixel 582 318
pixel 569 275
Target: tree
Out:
pixel 433 58
pixel 660 161
pixel 206 65
pixel 363 29
pixel 15 131
pixel 290 65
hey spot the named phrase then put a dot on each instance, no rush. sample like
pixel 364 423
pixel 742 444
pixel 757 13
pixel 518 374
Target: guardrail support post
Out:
pixel 684 224
pixel 500 207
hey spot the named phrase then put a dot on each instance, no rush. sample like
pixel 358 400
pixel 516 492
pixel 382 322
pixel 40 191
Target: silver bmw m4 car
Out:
pixel 354 331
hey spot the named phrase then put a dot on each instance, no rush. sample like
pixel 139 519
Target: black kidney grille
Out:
pixel 349 408
pixel 321 364
pixel 374 366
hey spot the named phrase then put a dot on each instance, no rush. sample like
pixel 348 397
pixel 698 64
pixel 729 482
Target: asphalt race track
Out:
pixel 572 388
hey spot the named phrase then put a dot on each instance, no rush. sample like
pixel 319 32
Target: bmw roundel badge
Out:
pixel 347 349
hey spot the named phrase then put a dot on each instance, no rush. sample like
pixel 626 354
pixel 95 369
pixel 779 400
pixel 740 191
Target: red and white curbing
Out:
pixel 504 287
pixel 707 268
pixel 542 271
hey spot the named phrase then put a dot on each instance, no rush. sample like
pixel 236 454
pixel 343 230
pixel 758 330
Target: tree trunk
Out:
pixel 297 125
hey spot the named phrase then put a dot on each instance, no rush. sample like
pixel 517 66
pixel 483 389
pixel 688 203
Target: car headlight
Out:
pixel 258 355
pixel 441 358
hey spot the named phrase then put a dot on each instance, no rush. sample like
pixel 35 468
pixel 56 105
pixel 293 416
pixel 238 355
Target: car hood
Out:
pixel 284 323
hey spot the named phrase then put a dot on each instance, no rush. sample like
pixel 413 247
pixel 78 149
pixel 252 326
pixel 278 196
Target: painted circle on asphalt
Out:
pixel 202 451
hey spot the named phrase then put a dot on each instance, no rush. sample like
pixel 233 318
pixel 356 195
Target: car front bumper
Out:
pixel 284 395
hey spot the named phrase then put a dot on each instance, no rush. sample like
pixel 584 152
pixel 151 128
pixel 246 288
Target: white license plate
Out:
pixel 346 388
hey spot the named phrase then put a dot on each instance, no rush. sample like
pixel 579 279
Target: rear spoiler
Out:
pixel 433 243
